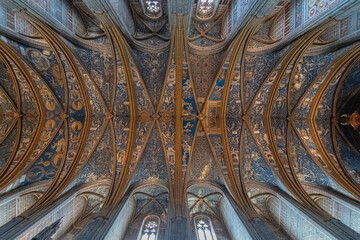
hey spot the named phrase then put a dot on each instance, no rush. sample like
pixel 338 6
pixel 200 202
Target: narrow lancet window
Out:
pixel 150 228
pixel 204 230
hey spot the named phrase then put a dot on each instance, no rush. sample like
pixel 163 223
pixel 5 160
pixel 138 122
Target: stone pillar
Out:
pixel 332 227
pixel 66 207
pixel 180 229
pixel 246 223
pixel 15 202
pixel 114 225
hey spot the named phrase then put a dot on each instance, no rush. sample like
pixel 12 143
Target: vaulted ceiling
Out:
pixel 247 91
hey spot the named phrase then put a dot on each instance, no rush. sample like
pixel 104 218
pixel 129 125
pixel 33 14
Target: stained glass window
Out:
pixel 150 229
pixel 206 7
pixel 152 6
pixel 203 230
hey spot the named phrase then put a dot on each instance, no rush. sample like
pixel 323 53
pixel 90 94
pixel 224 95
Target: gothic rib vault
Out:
pixel 162 119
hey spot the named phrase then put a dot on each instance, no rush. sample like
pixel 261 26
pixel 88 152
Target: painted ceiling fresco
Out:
pixel 178 107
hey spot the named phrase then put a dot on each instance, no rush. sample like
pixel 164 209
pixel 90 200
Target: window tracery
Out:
pixel 150 228
pixel 152 6
pixel 203 229
pixel 206 8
